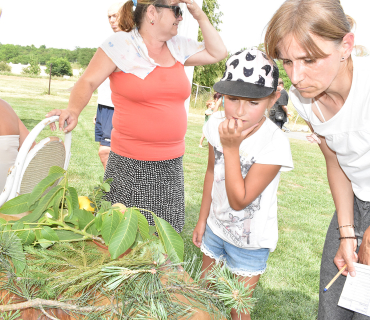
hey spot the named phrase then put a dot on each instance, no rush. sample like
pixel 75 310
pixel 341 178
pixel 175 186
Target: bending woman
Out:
pixel 331 91
pixel 145 64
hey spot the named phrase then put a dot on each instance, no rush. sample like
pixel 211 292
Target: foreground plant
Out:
pixel 55 216
pixel 76 276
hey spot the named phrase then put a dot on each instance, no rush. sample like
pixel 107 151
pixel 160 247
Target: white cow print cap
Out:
pixel 249 74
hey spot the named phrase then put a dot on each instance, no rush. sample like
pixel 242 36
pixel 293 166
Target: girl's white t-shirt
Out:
pixel 255 226
pixel 348 132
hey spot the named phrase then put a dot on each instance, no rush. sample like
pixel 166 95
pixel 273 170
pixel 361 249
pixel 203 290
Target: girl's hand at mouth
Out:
pixel 232 133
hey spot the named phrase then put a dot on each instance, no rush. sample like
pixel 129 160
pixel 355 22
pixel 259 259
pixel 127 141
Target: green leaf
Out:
pixel 84 218
pixel 138 239
pixel 18 225
pixel 56 169
pixel 110 222
pixel 57 200
pixel 124 236
pixel 18 256
pixel 152 230
pixel 42 206
pixel 42 186
pixel 142 224
pixel 68 235
pixel 105 187
pixel 172 241
pixel 16 205
pixel 99 221
pixel 70 206
pixel 49 234
pixel 74 196
pixel 3 221
pixel 74 220
pixel 27 236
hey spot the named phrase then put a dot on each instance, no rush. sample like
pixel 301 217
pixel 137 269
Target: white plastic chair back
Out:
pixel 32 166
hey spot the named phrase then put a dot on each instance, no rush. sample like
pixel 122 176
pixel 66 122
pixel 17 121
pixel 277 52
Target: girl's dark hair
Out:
pixel 128 18
pixel 217 96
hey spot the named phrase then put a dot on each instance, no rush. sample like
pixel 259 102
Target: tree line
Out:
pixel 27 54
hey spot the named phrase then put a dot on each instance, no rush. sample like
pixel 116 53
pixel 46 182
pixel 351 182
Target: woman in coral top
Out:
pixel 145 64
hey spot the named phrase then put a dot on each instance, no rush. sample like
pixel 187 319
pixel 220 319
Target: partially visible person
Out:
pixel 237 222
pixel 331 92
pixel 12 134
pixel 149 85
pixel 212 107
pixel 279 112
pixel 104 113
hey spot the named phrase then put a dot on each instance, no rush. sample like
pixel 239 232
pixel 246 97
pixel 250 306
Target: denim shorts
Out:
pixel 240 261
pixel 103 125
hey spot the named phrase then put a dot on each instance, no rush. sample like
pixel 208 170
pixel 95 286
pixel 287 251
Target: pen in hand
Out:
pixel 335 278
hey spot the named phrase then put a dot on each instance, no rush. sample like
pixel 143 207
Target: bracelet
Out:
pixel 341 238
pixel 347 225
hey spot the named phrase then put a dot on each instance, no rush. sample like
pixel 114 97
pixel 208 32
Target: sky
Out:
pixel 83 23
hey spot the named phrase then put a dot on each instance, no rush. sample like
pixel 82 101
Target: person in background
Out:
pixel 279 112
pixel 12 134
pixel 145 64
pixel 331 92
pixel 212 107
pixel 237 222
pixel 104 113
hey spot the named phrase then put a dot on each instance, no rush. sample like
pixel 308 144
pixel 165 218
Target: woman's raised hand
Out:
pixel 64 115
pixel 194 9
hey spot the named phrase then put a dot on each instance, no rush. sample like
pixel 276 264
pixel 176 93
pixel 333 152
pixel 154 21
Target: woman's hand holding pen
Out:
pixel 346 254
pixel 232 134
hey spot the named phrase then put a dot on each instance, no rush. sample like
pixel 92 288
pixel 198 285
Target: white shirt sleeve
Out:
pixel 277 152
pixel 183 48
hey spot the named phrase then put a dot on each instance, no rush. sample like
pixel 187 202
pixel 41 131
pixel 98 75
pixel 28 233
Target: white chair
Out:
pixel 31 166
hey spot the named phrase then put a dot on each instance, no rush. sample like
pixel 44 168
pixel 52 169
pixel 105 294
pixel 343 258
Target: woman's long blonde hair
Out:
pixel 303 18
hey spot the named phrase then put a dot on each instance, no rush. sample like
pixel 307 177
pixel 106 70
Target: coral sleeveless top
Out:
pixel 149 121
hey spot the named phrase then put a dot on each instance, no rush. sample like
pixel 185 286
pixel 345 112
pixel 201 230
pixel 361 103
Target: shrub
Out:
pixel 4 67
pixel 60 67
pixel 33 68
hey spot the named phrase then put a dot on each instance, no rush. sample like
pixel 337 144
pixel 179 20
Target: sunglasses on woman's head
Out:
pixel 176 9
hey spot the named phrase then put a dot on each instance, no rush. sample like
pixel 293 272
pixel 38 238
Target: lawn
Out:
pixel 289 288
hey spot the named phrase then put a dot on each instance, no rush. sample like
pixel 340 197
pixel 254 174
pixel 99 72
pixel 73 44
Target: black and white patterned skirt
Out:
pixel 157 186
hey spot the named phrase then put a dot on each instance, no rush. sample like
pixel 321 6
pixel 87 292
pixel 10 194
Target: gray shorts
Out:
pixel 328 301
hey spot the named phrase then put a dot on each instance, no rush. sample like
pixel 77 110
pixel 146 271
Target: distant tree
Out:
pixel 84 56
pixel 60 67
pixel 209 74
pixel 4 67
pixel 33 68
pixel 42 47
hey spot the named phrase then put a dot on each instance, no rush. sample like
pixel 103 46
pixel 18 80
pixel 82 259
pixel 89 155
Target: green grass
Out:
pixel 289 288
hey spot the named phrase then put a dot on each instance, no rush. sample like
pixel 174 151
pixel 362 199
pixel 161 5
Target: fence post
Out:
pixel 196 95
pixel 50 78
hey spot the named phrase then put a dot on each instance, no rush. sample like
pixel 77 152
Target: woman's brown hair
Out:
pixel 303 18
pixel 129 18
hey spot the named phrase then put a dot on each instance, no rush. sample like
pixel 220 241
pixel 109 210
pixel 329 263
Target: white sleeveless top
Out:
pixel 8 153
pixel 348 132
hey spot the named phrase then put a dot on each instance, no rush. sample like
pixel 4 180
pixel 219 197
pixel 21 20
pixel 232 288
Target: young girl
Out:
pixel 238 216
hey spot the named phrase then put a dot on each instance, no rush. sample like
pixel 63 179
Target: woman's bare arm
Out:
pixel 99 68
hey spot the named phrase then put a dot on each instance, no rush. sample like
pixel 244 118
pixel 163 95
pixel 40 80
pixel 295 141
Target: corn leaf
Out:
pixel 16 205
pixel 124 236
pixel 172 241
